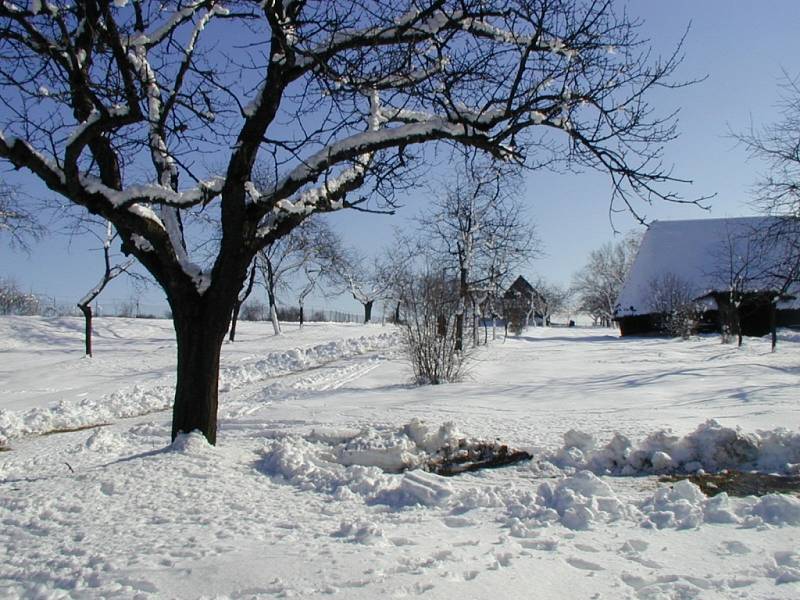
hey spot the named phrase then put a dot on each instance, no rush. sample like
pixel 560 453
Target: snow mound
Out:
pixel 777 509
pixel 577 502
pixel 684 506
pixel 67 415
pixel 379 465
pixel 360 532
pixel 581 500
pixel 710 447
pixel 193 443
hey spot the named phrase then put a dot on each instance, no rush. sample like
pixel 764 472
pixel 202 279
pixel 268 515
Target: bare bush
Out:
pixel 254 310
pixel 516 311
pixel 14 301
pixel 671 297
pixel 429 329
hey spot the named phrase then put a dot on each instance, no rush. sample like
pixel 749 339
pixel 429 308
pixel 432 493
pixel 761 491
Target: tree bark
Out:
pixel 199 339
pixel 459 331
pixel 273 315
pixel 301 315
pixel 462 302
pixel 241 300
pixel 87 317
pixel 368 311
pixel 273 310
pixel 234 319
pixel 773 324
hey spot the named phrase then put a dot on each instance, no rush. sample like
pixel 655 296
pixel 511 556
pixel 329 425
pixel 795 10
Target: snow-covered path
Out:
pixel 302 498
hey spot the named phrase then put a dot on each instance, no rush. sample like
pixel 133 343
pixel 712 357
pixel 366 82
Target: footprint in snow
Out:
pixel 584 565
pixel 733 547
pixel 631 550
pixel 501 559
pixel 458 522
pixel 634 546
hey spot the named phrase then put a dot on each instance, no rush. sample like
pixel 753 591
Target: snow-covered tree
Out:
pixel 672 298
pixel 478 232
pixel 599 283
pixel 308 247
pixel 361 276
pixel 116 105
pixel 13 301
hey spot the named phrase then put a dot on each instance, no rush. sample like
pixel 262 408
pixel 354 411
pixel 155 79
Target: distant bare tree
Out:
pixel 549 298
pixel 13 301
pixel 480 234
pixel 325 250
pixel 777 191
pixel 16 221
pixel 110 272
pixel 599 283
pixel 244 294
pixel 363 277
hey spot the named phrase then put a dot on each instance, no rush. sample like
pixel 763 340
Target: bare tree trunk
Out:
pixel 199 337
pixel 86 309
pixel 773 324
pixel 397 314
pixel 234 319
pixel 239 301
pixel 301 315
pixel 459 346
pixel 273 315
pixel 368 311
pixel 738 318
pixel 462 301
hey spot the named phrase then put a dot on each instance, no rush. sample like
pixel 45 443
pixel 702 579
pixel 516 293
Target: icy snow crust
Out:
pixel 317 487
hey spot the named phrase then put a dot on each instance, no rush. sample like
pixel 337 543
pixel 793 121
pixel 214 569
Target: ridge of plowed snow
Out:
pixel 72 414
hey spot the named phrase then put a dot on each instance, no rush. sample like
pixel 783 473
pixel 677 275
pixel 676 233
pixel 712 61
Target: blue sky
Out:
pixel 743 48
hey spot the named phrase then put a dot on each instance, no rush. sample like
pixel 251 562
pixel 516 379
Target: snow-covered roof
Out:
pixel 701 253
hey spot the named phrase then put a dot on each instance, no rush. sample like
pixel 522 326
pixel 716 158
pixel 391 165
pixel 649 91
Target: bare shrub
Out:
pixel 516 311
pixel 671 297
pixel 429 329
pixel 14 301
pixel 254 310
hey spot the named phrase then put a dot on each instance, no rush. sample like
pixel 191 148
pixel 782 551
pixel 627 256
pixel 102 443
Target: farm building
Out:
pixel 726 270
pixel 526 298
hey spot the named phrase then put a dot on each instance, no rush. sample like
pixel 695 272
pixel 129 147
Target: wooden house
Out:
pixel 721 266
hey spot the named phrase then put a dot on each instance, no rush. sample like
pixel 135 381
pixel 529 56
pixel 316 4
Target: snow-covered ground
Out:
pixel 315 487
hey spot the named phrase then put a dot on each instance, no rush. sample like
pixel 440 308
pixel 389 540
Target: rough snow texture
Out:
pixel 711 447
pixel 314 489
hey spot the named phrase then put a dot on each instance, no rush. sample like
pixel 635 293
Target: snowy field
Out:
pixel 316 487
